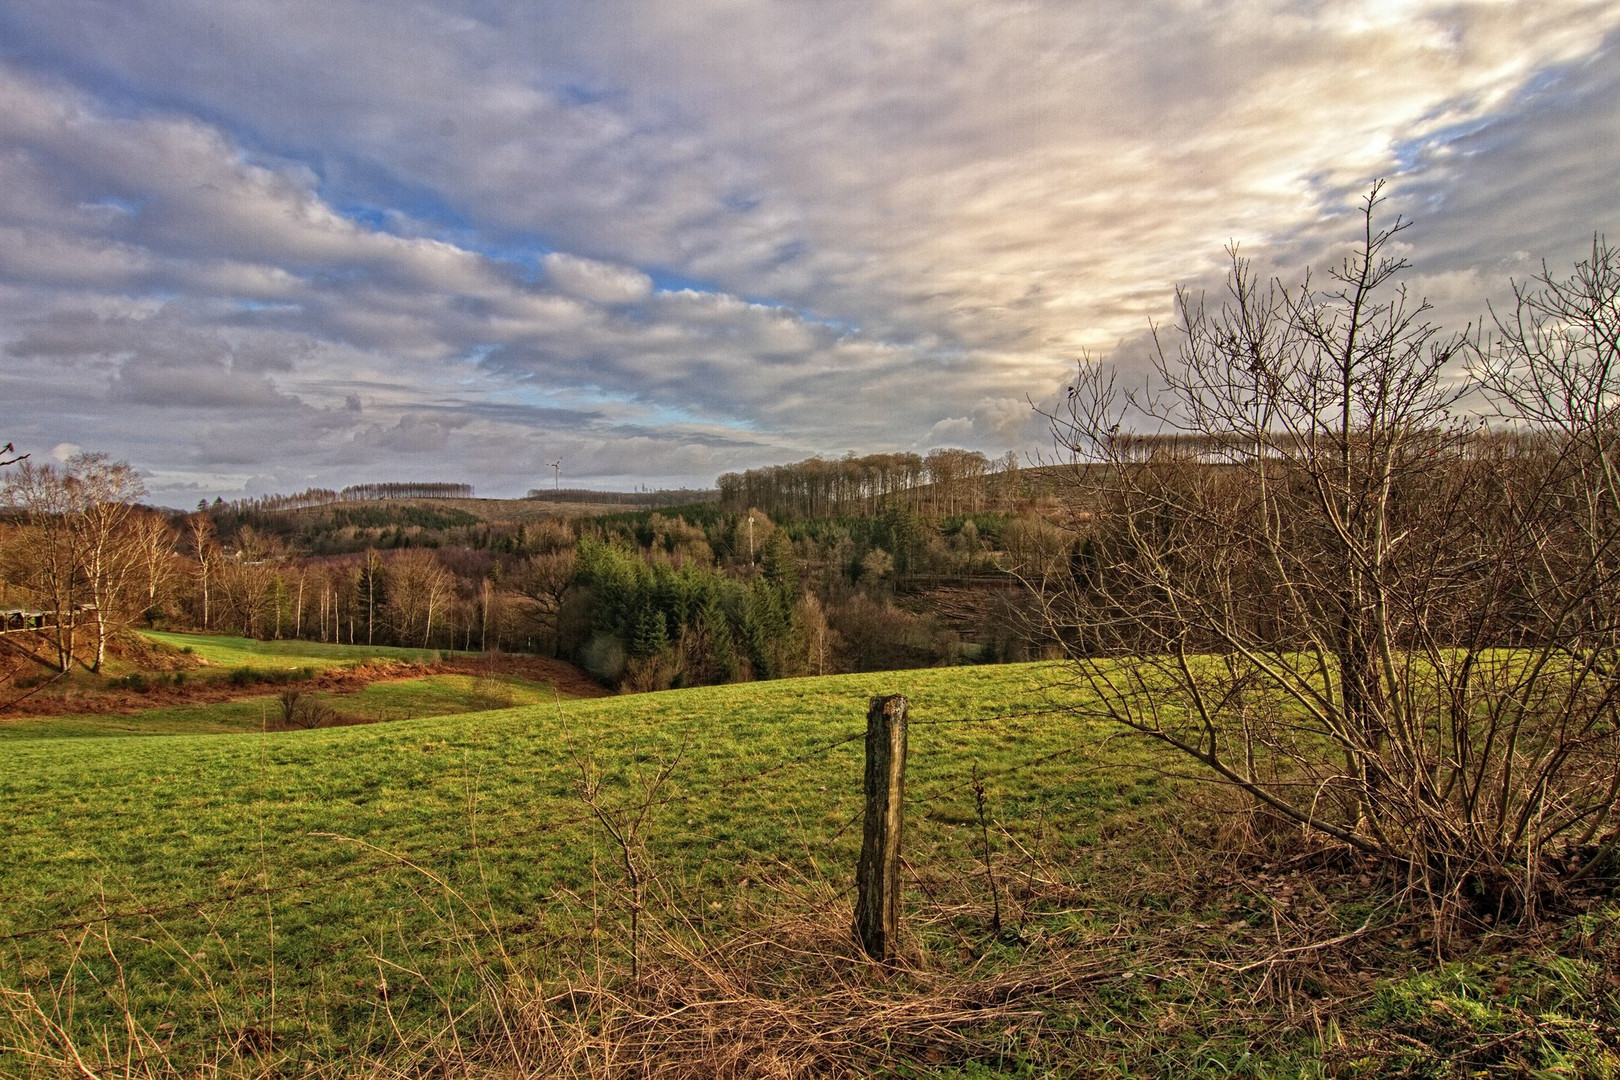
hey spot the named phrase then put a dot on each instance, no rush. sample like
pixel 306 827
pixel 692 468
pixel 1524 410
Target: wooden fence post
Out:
pixel 877 875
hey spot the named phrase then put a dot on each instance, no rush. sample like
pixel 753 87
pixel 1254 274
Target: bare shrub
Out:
pixel 1384 624
pixel 873 635
pixel 300 709
pixel 659 671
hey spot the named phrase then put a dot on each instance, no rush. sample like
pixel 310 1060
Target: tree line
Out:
pixel 416 490
pixel 660 498
pixel 943 482
pixel 266 504
pixel 318 496
pixel 643 599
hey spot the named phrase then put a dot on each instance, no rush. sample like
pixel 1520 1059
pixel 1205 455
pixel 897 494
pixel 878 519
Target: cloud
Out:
pixel 194 384
pixel 1008 419
pixel 953 430
pixel 721 234
pixel 414 434
pixel 597 282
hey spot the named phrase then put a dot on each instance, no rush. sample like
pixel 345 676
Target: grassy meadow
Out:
pixel 400 699
pixel 570 886
pixel 252 674
pixel 285 654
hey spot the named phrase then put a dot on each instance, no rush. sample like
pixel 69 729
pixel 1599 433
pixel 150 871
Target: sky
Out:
pixel 254 246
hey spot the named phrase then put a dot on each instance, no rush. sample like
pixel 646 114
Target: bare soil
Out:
pixel 77 695
pixel 567 678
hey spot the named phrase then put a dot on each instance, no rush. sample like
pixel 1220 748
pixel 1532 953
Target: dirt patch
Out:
pixel 567 678
pixel 150 656
pixel 116 696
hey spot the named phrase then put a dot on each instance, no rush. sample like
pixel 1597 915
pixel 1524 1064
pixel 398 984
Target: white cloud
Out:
pixel 598 282
pixel 952 429
pixel 887 213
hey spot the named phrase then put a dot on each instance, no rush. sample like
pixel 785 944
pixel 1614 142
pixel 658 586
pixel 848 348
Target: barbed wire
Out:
pixel 952 783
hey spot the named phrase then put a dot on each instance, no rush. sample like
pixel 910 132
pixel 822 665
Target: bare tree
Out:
pixel 79 555
pixel 103 524
pixel 42 560
pixel 543 581
pixel 369 590
pixel 1316 581
pixel 205 549
pixel 243 594
pixel 303 710
pixel 154 545
pixel 819 639
pixel 418 587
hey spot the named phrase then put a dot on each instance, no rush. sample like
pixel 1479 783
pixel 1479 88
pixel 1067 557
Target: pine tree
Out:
pixel 650 635
pixel 781 567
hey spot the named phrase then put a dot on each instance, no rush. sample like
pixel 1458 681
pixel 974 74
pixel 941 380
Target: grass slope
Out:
pixel 237 688
pixel 284 654
pixel 323 896
pixel 164 823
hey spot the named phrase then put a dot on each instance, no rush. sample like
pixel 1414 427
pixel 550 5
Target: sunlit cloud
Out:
pixel 325 242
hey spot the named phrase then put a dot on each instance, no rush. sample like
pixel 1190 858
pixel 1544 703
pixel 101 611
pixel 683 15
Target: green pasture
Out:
pixel 238 652
pixel 355 827
pixel 322 896
pixel 267 667
pixel 402 699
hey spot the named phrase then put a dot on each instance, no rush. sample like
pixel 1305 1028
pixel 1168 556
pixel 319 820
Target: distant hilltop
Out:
pixel 361 492
pixel 644 499
pixel 310 497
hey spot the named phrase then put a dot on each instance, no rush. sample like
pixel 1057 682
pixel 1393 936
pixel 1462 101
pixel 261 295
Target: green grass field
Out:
pixel 119 824
pixel 280 655
pixel 403 699
pixel 307 898
pixel 261 668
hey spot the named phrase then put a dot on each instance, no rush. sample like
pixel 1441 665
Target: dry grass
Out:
pixel 790 997
pixel 1254 970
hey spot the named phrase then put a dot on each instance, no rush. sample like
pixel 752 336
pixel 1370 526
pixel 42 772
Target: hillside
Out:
pixel 436 892
pixel 163 683
pixel 503 511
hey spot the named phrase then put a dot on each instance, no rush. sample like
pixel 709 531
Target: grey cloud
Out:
pixel 196 384
pixel 256 441
pixel 414 434
pixel 983 191
pixel 161 357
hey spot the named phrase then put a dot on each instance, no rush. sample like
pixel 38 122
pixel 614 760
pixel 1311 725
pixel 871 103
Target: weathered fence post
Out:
pixel 877 875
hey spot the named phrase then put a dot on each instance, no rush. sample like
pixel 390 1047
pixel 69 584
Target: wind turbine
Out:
pixel 556 475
